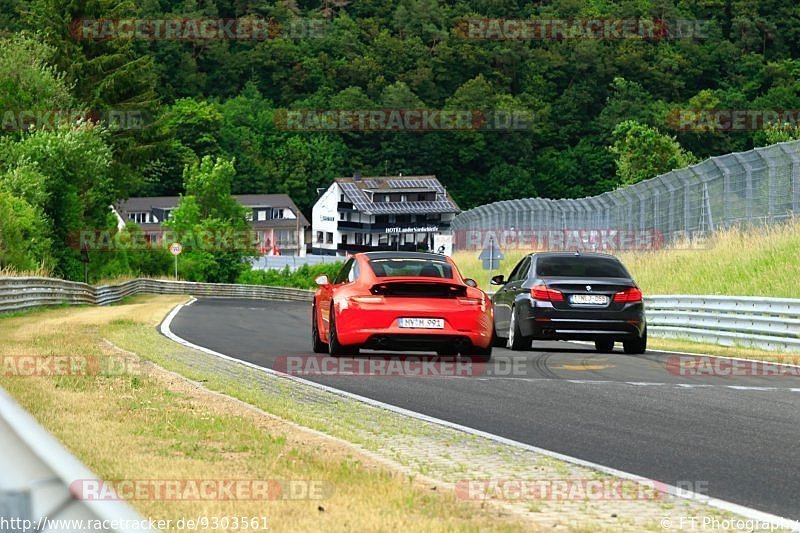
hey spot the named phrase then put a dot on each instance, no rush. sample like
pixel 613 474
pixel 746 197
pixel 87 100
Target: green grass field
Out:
pixel 755 262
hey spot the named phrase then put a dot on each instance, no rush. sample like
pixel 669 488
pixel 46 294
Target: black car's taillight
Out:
pixel 630 295
pixel 545 293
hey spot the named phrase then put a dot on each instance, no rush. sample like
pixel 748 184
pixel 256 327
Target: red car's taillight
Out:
pixel 631 295
pixel 366 299
pixel 543 292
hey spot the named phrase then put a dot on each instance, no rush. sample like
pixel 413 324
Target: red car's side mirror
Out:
pixel 471 282
pixel 322 281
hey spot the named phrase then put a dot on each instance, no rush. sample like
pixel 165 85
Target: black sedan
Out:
pixel 570 296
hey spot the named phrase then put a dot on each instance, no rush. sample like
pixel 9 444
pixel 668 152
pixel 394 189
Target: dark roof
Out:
pixel 148 203
pixel 356 192
pixel 572 253
pixel 404 255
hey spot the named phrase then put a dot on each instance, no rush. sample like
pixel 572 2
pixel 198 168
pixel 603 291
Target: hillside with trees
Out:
pixel 602 111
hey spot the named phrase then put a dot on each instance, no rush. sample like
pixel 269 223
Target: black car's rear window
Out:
pixel 411 267
pixel 580 266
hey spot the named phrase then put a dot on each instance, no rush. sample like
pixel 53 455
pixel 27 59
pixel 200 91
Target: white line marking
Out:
pixel 747 512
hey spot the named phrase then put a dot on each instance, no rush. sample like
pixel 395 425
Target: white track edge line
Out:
pixel 747 512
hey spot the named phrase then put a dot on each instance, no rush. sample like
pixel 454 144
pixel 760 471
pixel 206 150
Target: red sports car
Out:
pixel 401 301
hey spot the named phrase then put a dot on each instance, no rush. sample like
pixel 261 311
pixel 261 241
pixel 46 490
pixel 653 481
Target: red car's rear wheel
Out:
pixel 316 343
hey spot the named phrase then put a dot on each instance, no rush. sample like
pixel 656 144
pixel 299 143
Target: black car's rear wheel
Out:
pixel 316 343
pixel 604 345
pixel 334 347
pixel 636 346
pixel 515 339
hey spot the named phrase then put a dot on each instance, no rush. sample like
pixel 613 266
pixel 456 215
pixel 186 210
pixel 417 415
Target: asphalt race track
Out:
pixel 736 437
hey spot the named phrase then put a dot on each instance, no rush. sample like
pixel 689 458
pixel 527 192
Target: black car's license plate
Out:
pixel 588 299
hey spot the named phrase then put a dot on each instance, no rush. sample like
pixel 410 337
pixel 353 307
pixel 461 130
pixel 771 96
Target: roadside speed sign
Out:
pixel 175 248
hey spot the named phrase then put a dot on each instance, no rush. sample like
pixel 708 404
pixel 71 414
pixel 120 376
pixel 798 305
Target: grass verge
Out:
pixel 148 426
pixel 682 345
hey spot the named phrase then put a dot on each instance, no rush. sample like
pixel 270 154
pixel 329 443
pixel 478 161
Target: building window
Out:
pixel 277 213
pixel 262 214
pixel 329 237
pixel 141 217
pixel 359 238
pixel 285 237
pixel 341 216
pixel 319 237
pixel 344 239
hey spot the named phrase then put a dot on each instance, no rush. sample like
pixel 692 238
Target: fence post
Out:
pixel 748 187
pixel 795 174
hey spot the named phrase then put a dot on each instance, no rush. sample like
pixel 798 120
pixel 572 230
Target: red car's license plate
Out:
pixel 423 323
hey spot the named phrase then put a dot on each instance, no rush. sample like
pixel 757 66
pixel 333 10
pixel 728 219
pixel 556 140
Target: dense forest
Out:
pixel 601 112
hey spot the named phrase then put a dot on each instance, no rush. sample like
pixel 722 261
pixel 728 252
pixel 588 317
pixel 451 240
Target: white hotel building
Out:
pixel 382 213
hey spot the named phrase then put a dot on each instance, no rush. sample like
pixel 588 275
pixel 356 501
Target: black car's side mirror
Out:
pixel 497 280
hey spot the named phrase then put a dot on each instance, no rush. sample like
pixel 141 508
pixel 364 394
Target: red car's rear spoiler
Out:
pixel 420 288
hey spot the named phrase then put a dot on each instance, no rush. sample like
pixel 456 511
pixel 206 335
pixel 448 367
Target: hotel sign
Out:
pixel 412 229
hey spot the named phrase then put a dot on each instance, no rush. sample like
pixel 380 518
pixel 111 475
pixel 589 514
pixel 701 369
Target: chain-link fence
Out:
pixel 761 186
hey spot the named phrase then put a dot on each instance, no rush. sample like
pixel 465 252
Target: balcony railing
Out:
pixel 382 227
pixel 355 248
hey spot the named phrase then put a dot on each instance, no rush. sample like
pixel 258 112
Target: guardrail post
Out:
pixel 15 504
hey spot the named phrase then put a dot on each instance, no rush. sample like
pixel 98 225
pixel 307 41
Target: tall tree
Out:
pixel 643 153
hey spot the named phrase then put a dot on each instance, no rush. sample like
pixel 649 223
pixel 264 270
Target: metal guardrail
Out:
pixel 766 323
pixel 35 476
pixel 18 294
